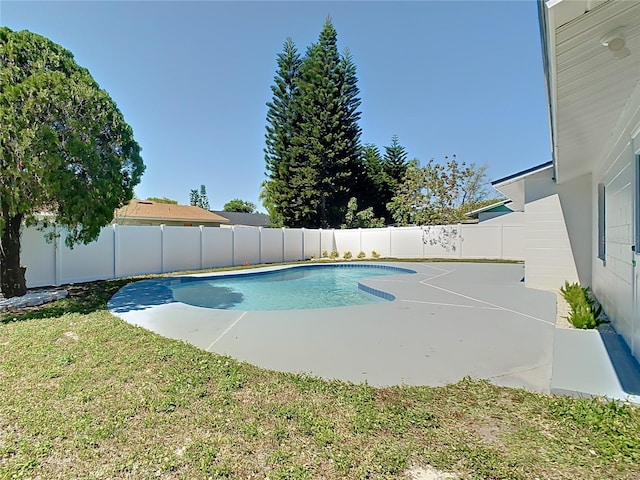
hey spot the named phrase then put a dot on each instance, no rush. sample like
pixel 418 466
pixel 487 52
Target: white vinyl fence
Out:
pixel 122 251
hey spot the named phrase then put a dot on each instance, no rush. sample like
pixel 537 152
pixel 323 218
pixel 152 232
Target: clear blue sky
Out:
pixel 193 79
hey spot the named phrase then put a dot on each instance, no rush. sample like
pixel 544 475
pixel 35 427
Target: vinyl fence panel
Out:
pixel 311 243
pixel 327 242
pixel 376 240
pixel 246 245
pixel 39 257
pixel 479 241
pixel 348 241
pixel 272 244
pixel 217 247
pixel 292 244
pixel 85 263
pixel 138 250
pixel 513 242
pixel 123 251
pixel 181 248
pixel 406 243
pixel 442 241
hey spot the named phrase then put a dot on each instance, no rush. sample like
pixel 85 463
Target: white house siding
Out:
pixel 557 231
pixel 614 280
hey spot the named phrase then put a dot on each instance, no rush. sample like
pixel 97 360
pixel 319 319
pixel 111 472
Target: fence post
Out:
pixel 283 244
pixel 57 258
pixel 390 245
pixel 162 248
pixel 260 245
pixel 116 251
pixel 501 240
pixel 233 246
pixel 333 238
pixel 460 239
pixel 303 257
pixel 201 228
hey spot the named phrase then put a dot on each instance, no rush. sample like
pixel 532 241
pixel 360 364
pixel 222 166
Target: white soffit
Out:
pixel 513 186
pixel 514 191
pixel 590 87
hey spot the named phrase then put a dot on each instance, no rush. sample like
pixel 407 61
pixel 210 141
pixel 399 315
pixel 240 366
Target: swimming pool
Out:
pixel 289 288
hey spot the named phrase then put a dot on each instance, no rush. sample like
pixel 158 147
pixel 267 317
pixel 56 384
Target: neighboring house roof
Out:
pixel 245 219
pixel 500 206
pixel 512 186
pixel 148 210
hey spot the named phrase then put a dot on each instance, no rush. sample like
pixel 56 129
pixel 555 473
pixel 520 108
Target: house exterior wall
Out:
pixel 557 231
pixel 615 280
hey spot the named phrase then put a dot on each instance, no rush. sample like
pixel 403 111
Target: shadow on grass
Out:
pixel 82 298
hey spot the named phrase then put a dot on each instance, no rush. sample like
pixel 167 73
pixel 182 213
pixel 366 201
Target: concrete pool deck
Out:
pixel 449 320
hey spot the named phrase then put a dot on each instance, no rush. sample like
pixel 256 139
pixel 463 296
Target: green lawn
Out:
pixel 85 395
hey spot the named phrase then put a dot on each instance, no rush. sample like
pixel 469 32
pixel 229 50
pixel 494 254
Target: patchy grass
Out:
pixel 85 395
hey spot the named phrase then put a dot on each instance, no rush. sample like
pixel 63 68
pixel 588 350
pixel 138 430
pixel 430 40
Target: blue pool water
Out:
pixel 304 287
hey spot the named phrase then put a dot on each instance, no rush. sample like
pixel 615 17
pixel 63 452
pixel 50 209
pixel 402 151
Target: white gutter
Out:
pixel 547 36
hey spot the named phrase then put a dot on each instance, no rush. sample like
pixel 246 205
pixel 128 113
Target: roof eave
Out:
pixel 547 40
pixel 489 207
pixel 522 174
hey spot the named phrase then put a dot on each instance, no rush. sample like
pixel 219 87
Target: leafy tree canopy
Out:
pixel 437 193
pixel 355 218
pixel 65 148
pixel 237 205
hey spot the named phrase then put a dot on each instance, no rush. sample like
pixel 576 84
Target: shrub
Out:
pixel 325 254
pixel 375 254
pixel 347 255
pixel 361 255
pixel 585 310
pixel 334 255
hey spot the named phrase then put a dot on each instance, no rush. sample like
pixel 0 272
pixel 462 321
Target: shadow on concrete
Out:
pixel 624 363
pixel 140 296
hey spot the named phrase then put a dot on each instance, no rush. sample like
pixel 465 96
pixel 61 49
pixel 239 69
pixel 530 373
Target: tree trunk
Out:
pixel 12 281
pixel 324 223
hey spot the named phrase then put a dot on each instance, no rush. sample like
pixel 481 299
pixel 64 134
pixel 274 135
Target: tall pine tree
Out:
pixel 373 183
pixel 395 160
pixel 282 121
pixel 313 139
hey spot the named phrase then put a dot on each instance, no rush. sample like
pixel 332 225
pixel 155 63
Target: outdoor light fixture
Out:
pixel 615 42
